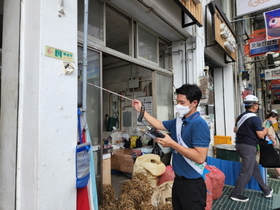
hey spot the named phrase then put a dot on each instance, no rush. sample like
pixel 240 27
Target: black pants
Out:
pixel 188 194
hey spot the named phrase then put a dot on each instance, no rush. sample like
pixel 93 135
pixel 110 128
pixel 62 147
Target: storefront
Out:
pixel 220 59
pixel 139 49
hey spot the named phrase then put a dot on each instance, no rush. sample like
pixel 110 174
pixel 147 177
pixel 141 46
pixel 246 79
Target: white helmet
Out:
pixel 275 111
pixel 250 100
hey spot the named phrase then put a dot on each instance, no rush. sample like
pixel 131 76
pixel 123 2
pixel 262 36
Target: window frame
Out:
pixel 137 25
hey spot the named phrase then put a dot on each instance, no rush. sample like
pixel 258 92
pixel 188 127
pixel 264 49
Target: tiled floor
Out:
pixel 257 200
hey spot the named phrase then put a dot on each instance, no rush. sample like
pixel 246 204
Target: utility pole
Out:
pixel 240 32
pixel 239 28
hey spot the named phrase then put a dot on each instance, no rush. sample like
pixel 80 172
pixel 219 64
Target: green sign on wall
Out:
pixel 58 54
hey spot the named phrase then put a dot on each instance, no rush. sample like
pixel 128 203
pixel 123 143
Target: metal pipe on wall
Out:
pixel 185 78
pixel 239 26
pixel 93 202
pixel 84 102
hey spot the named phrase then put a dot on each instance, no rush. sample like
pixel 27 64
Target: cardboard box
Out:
pixel 121 160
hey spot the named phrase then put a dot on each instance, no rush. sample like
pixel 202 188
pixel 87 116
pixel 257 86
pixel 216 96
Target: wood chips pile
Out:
pixel 135 195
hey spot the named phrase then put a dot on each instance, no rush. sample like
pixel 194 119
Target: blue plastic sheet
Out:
pixel 231 170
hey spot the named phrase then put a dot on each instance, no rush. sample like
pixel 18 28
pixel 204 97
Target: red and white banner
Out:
pixel 259 45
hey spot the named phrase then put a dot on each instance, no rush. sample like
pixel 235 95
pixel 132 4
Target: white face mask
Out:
pixel 273 121
pixel 183 110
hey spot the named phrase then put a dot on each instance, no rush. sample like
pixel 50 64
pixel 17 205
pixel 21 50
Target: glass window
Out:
pixel 165 55
pixel 93 94
pixel 95 18
pixel 164 96
pixel 147 45
pixel 117 31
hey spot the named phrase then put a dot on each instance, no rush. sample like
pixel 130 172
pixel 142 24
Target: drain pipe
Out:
pixel 240 31
pixel 84 102
pixel 93 201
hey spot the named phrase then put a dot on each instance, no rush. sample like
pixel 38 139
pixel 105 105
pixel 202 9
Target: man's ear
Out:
pixel 195 102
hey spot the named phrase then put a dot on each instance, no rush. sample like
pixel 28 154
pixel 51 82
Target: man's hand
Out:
pixel 137 105
pixel 167 141
pixel 197 154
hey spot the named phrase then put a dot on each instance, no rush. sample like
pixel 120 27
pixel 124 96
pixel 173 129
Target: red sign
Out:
pixel 258 45
pixel 246 92
pixel 274 85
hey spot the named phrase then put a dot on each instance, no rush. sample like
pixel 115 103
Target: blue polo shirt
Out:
pixel 195 133
pixel 246 133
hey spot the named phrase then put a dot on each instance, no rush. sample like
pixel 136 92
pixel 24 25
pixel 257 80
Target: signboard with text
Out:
pixel 272 74
pixel 258 45
pixel 261 46
pixel 244 7
pixel 59 54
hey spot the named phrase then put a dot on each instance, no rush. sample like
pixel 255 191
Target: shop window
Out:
pixel 165 55
pixel 164 94
pixel 95 18
pixel 117 31
pixel 118 34
pixel 147 45
pixel 93 96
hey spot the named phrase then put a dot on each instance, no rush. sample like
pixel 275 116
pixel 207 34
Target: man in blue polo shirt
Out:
pixel 189 139
pixel 249 131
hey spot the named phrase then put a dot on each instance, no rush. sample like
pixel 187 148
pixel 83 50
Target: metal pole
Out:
pixel 84 103
pixel 240 40
pixel 110 91
pixel 94 202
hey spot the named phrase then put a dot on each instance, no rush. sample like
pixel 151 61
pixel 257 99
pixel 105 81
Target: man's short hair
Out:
pixel 192 92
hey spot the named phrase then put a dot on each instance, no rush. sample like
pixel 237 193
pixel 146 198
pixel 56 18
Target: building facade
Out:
pixel 141 49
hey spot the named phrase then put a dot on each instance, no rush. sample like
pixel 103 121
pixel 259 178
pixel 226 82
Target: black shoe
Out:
pixel 269 195
pixel 239 198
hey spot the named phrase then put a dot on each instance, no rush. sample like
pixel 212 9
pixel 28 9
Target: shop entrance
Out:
pixel 127 79
pixel 221 95
pixel 209 91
